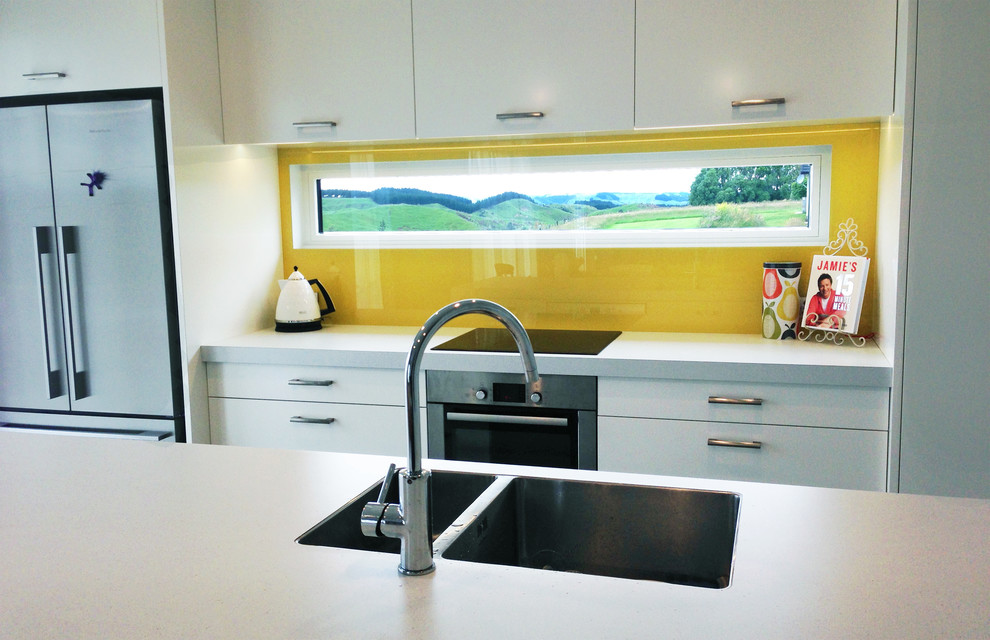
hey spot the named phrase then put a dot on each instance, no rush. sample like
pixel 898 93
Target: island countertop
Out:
pixel 124 539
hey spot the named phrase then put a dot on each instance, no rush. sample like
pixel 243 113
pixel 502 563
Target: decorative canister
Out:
pixel 781 303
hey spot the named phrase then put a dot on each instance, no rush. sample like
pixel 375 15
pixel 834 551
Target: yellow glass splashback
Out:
pixel 695 290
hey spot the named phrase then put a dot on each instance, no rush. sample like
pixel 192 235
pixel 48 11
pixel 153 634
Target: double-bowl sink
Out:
pixel 681 536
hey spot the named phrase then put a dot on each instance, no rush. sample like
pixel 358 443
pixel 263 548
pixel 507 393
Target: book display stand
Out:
pixel 845 239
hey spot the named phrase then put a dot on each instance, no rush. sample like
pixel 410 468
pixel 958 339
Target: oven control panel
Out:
pixel 509 392
pixel 511 389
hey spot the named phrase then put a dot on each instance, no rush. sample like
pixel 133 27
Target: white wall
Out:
pixel 230 253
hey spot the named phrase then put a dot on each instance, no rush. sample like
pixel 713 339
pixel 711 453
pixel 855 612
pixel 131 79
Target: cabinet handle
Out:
pixel 519 115
pixel 303 382
pixel 753 402
pixel 757 102
pixel 45 75
pixel 305 420
pixel 738 444
pixel 315 123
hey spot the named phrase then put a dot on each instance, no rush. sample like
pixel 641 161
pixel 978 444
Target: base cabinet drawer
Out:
pixel 307 383
pixel 757 403
pixel 316 426
pixel 840 458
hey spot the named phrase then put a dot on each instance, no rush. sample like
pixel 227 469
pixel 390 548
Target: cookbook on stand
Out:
pixel 836 285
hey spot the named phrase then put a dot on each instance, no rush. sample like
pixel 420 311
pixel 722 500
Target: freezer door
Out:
pixel 108 217
pixel 86 425
pixel 32 350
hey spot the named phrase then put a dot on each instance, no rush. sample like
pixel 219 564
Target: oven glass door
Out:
pixel 510 435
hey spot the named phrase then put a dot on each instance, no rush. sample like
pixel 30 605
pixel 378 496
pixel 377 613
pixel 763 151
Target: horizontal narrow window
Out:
pixel 747 197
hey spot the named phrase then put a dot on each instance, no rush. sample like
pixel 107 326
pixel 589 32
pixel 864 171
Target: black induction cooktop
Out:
pixel 558 341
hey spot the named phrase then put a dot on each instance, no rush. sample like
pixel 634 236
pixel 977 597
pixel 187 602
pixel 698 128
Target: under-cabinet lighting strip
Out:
pixel 525 146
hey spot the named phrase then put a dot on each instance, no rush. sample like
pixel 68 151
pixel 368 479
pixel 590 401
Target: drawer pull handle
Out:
pixel 519 115
pixel 757 102
pixel 46 75
pixel 738 444
pixel 314 123
pixel 755 402
pixel 303 382
pixel 305 420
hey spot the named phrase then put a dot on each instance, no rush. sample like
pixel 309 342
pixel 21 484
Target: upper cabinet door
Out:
pixel 315 70
pixel 487 67
pixel 827 60
pixel 56 46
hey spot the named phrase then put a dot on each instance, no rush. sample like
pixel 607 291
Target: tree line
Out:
pixel 747 184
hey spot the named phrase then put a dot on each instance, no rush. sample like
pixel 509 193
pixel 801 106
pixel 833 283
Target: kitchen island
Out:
pixel 123 539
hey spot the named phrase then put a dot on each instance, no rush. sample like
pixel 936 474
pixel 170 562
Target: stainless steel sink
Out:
pixel 673 535
pixel 681 536
pixel 450 494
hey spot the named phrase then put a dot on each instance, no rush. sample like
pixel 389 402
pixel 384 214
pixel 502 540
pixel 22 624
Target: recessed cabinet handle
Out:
pixel 45 75
pixel 304 382
pixel 315 123
pixel 757 102
pixel 305 420
pixel 737 444
pixel 519 115
pixel 753 402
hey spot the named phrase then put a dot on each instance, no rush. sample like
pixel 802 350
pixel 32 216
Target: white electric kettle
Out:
pixel 298 308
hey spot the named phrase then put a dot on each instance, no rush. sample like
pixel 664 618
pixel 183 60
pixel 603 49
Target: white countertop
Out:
pixel 649 355
pixel 106 538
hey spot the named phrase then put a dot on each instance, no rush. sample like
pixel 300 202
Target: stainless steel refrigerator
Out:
pixel 88 303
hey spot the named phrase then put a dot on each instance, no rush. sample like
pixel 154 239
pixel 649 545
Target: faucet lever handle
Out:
pixel 373 512
pixel 386 483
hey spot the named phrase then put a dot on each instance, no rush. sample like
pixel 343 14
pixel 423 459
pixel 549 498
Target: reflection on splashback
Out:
pixel 705 290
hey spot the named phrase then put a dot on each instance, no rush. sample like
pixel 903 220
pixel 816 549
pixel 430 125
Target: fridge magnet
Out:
pixel 836 286
pixel 96 180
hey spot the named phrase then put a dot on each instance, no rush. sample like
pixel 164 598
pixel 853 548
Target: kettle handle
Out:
pixel 326 297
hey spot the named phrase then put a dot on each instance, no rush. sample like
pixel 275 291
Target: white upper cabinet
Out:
pixel 827 60
pixel 315 70
pixel 57 46
pixel 486 67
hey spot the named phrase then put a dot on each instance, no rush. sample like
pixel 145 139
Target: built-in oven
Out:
pixel 492 417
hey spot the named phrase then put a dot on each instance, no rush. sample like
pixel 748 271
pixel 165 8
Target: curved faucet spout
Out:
pixel 409 520
pixel 430 327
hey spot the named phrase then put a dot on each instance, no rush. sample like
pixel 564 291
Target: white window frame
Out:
pixel 304 209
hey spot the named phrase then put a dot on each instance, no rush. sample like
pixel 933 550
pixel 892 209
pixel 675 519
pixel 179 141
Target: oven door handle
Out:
pixel 506 419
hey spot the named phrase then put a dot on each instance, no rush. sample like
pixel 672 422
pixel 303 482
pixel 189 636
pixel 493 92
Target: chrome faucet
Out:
pixel 409 521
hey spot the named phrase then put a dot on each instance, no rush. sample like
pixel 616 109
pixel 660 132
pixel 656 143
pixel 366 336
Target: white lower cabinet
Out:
pixel 816 435
pixel 349 410
pixel 841 458
pixel 319 426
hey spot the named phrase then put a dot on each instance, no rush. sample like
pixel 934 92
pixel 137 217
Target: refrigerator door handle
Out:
pixel 45 246
pixel 77 347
